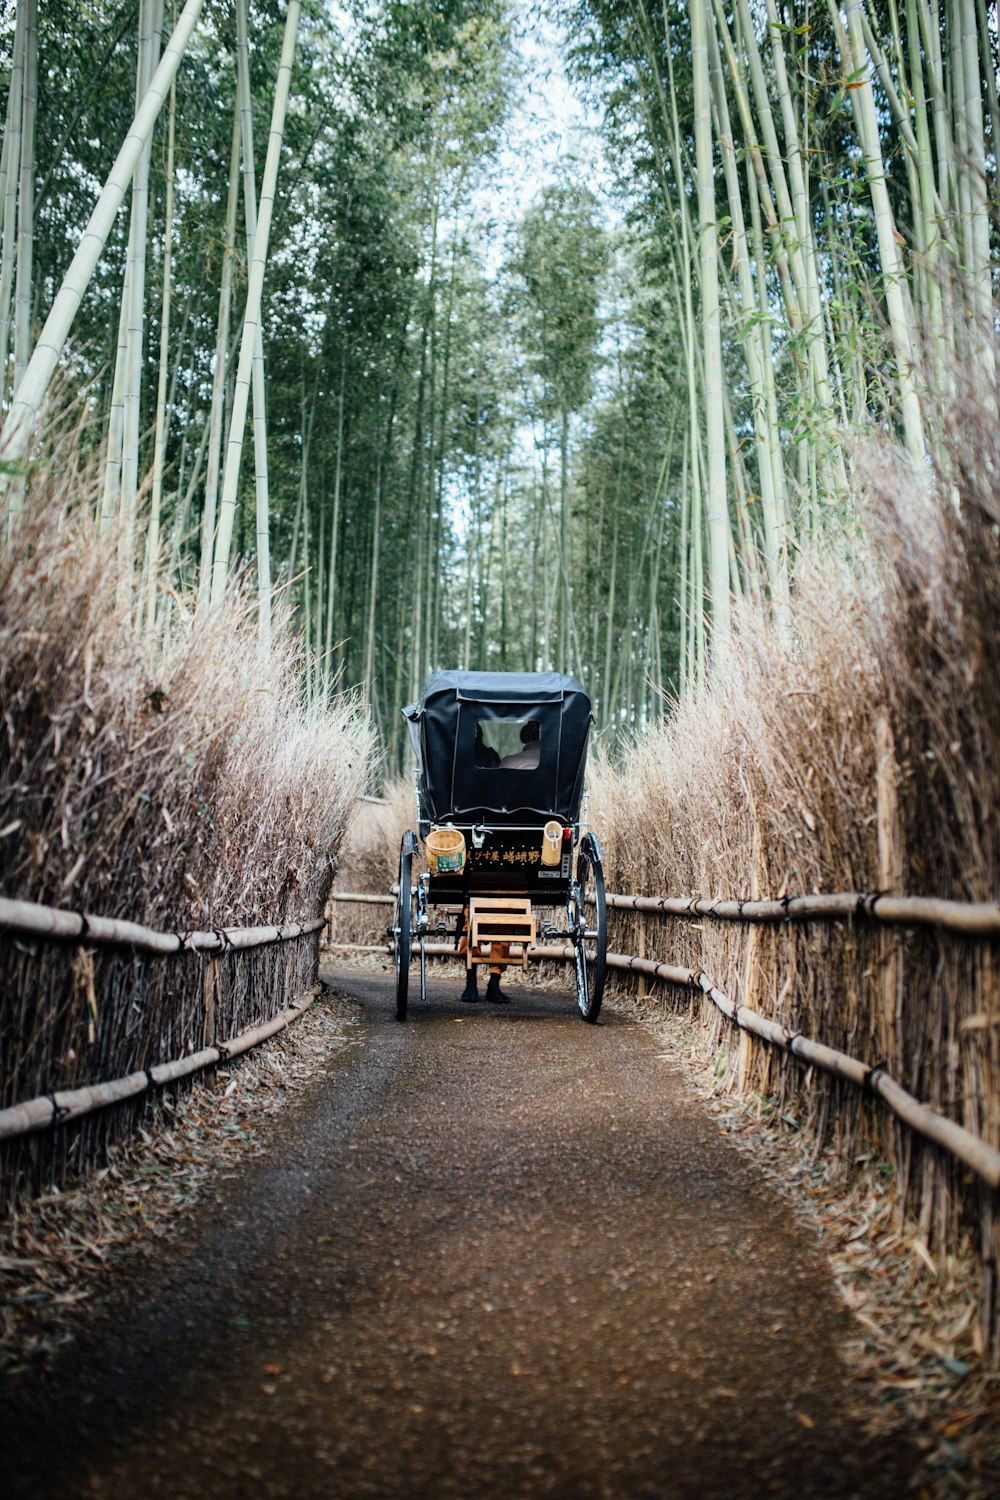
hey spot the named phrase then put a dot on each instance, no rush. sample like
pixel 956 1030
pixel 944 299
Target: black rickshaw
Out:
pixel 500 759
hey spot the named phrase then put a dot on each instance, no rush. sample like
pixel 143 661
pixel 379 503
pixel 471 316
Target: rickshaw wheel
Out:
pixel 591 943
pixel 403 928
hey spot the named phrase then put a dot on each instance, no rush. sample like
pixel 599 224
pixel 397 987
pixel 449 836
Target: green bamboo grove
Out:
pixel 299 344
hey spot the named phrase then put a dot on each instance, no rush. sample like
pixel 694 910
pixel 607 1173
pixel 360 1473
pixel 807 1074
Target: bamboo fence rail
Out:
pixel 49 1110
pixel 128 942
pixel 972 918
pixel 30 920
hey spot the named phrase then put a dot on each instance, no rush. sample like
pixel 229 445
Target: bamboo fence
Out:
pixel 110 1010
pixel 26 919
pixel 56 1109
pixel 971 918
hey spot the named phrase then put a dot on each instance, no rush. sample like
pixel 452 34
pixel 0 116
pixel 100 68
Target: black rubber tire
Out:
pixel 404 925
pixel 591 962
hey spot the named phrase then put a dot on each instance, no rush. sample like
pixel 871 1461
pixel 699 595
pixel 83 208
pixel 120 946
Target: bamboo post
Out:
pixel 644 986
pixel 209 988
pixel 890 865
pixel 643 982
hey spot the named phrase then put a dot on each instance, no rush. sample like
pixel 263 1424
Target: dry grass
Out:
pixel 370 861
pixel 173 780
pixel 766 783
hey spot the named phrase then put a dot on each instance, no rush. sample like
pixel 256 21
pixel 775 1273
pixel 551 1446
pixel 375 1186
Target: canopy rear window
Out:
pixel 508 744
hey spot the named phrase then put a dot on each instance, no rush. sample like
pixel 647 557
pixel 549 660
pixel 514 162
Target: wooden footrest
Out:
pixel 500 919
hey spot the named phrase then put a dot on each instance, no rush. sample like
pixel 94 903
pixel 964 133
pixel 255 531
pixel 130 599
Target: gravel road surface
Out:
pixel 497 1253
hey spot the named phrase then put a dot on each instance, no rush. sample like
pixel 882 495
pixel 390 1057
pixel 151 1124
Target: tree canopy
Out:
pixel 560 442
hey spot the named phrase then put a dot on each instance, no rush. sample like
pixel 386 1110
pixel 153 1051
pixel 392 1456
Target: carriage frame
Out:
pixel 517 885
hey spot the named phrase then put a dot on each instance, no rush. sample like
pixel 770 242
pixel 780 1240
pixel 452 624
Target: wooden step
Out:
pixel 500 919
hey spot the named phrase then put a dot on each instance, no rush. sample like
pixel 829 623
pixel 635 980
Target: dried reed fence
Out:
pixel 861 754
pixel 370 862
pixel 167 777
pixel 224 992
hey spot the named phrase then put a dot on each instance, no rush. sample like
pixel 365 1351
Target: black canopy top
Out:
pixel 501 746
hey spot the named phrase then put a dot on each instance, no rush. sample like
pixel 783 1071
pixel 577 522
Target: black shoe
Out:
pixel 471 993
pixel 494 992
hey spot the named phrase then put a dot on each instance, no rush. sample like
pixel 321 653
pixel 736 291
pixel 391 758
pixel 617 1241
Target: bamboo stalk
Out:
pixel 245 113
pixel 31 392
pixel 852 51
pixel 49 1110
pixel 716 496
pixel 252 314
pixel 150 36
pixel 159 441
pixel 24 255
pixel 32 920
pixel 220 371
pixel 12 160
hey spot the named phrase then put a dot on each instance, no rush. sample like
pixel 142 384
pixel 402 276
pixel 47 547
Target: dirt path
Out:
pixel 498 1253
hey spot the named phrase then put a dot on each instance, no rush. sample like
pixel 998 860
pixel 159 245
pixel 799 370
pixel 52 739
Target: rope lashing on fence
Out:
pixel 974 918
pixel 56 1108
pixel 27 919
